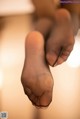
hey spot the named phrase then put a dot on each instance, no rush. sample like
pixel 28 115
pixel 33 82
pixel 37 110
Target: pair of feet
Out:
pixel 50 44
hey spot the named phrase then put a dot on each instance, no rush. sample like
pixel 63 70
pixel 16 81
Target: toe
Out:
pixel 51 58
pixel 46 99
pixel 27 91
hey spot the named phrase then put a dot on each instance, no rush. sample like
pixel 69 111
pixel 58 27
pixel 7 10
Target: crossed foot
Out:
pixel 36 77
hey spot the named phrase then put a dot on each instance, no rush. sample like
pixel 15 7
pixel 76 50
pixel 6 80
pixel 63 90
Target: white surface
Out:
pixel 74 58
pixel 11 7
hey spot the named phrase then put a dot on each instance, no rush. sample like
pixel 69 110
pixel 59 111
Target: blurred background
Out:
pixel 15 23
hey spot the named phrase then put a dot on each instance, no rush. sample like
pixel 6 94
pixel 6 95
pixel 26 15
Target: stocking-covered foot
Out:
pixel 36 77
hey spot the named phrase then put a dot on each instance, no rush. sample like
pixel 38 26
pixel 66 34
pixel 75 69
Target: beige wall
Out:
pixel 12 56
pixel 9 7
pixel 66 93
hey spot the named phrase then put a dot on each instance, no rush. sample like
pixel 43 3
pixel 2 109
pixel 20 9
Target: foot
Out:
pixel 36 77
pixel 61 40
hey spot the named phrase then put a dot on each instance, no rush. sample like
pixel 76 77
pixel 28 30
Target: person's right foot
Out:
pixel 58 35
pixel 36 77
pixel 61 40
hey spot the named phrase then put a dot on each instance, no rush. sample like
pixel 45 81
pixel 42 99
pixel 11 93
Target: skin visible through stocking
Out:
pixel 61 40
pixel 58 36
pixel 36 77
